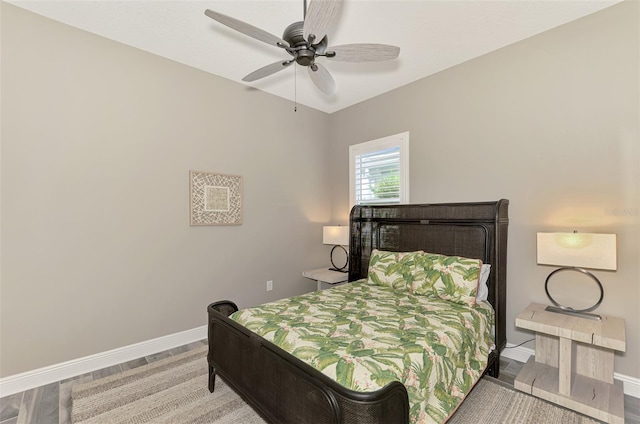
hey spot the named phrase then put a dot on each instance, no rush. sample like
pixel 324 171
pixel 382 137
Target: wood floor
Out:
pixel 51 404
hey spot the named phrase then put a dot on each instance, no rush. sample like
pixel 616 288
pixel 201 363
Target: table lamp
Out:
pixel 338 236
pixel 575 252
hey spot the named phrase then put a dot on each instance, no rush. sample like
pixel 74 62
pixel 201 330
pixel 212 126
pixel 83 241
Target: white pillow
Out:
pixel 483 290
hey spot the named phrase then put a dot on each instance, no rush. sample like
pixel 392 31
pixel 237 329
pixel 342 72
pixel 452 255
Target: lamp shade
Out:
pixel 583 250
pixel 336 235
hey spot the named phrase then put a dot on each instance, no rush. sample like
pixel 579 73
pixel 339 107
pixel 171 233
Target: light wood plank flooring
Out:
pixel 51 404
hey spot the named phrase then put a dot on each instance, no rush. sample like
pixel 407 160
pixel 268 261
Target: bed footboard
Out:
pixel 284 389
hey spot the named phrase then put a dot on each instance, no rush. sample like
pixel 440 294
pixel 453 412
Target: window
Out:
pixel 379 171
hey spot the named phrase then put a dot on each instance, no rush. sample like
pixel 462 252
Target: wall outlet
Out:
pixel 269 285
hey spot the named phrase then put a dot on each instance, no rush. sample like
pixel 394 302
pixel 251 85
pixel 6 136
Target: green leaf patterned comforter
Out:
pixel 364 336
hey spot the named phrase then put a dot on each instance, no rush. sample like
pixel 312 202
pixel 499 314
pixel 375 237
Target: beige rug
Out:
pixel 174 390
pixel 493 401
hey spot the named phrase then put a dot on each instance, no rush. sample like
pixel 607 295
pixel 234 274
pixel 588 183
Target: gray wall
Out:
pixel 97 142
pixel 551 123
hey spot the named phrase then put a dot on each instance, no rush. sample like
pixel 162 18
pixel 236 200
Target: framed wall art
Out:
pixel 216 199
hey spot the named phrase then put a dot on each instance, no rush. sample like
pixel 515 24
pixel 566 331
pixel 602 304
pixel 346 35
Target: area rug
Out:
pixel 174 391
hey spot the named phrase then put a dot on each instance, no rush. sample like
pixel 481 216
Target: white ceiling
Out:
pixel 433 36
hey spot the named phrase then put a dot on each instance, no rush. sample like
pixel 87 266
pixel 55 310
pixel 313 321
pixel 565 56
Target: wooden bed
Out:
pixel 284 389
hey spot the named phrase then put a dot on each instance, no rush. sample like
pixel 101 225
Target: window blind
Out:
pixel 377 176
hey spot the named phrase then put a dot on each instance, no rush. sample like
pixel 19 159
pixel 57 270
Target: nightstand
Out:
pixel 326 276
pixel 573 364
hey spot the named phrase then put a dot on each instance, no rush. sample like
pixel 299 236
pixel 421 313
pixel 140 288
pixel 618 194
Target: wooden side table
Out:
pixel 327 276
pixel 573 364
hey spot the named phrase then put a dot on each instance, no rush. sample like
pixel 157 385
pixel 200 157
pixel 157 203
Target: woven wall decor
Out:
pixel 216 199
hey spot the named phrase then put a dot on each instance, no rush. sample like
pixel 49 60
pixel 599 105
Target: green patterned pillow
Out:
pixel 392 269
pixel 452 278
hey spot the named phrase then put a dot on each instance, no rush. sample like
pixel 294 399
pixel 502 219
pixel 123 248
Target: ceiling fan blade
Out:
pixel 320 15
pixel 265 71
pixel 322 79
pixel 246 28
pixel 363 52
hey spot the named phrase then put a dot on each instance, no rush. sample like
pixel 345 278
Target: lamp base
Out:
pixel 567 310
pixel 571 312
pixel 335 267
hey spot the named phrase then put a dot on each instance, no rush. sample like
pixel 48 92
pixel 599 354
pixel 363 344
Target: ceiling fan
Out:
pixel 307 40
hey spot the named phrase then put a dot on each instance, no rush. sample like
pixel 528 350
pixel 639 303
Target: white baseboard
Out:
pixel 39 377
pixel 57 372
pixel 522 354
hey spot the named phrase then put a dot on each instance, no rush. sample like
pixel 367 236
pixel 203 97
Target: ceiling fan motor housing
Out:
pixel 305 53
pixel 293 34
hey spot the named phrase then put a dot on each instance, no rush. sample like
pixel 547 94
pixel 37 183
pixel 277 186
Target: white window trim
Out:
pixel 401 140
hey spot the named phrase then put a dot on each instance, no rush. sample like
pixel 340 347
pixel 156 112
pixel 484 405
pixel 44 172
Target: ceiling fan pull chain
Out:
pixel 295 87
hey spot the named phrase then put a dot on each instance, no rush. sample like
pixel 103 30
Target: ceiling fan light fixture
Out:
pixel 305 57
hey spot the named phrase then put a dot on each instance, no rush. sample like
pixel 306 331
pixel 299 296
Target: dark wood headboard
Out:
pixel 473 230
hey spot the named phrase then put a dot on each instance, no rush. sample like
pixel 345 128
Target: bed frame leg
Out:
pixel 212 379
pixel 494 371
pixel 494 367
